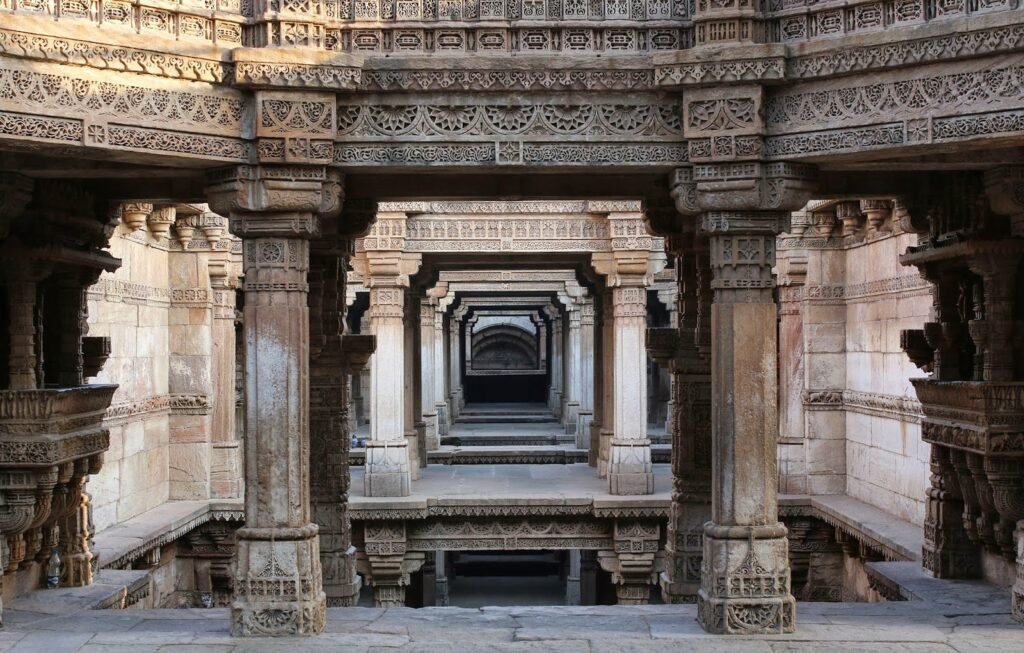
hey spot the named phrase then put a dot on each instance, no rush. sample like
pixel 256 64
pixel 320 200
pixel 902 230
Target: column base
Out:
pixel 630 470
pixel 341 582
pixel 431 433
pixel 443 420
pixel 387 469
pixel 583 420
pixel 684 550
pixel 570 414
pixel 745 581
pixel 278 583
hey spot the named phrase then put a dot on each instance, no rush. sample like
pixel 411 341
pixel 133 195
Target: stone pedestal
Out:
pixel 387 469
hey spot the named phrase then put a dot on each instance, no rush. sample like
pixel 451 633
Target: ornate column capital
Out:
pixel 271 200
pixel 742 186
pixel 1004 188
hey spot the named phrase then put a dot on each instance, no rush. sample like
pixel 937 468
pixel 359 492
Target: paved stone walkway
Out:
pixel 976 623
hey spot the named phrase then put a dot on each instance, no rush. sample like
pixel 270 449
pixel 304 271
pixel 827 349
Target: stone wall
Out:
pixel 849 417
pixel 131 306
pixel 886 460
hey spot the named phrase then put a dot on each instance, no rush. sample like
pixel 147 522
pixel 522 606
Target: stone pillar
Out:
pixel 414 428
pixel 385 271
pixel 1018 586
pixel 441 579
pixel 745 581
pixel 684 351
pixel 587 377
pixel 571 400
pixel 455 364
pixel 745 577
pixel 606 425
pixel 573 595
pixel 431 419
pixel 557 348
pixel 276 569
pixel 440 379
pixel 226 453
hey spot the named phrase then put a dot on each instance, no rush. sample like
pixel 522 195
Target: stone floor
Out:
pixel 970 622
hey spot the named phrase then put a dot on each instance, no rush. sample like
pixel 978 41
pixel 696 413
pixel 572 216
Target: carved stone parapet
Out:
pixel 745 587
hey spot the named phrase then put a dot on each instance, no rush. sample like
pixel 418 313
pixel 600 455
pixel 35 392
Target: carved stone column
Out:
pixel 587 378
pixel 571 399
pixel 605 426
pixel 277 572
pixel 455 363
pixel 226 466
pixel 687 359
pixel 431 419
pixel 1018 586
pixel 385 271
pixel 440 379
pixel 745 578
pixel 556 390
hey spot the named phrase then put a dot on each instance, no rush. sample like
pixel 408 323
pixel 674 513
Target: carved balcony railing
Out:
pixel 501 26
pixel 212 21
pixel 792 21
pixel 50 441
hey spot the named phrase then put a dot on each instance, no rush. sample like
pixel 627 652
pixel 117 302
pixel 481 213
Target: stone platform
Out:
pixel 974 622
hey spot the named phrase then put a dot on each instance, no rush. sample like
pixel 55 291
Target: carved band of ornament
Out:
pixel 653 118
pixel 39 406
pixel 103 56
pixel 489 208
pixel 507 80
pixel 130 409
pixel 989 89
pixel 294 75
pixel 189 404
pixel 50 452
pixel 511 153
pixel 728 71
pixel 208 513
pixel 129 292
pixel 488 41
pixel 41 92
pixel 959 44
pixel 828 141
pixel 804 20
pixel 198 297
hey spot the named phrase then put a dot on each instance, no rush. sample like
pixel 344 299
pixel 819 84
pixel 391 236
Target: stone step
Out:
pixel 506 418
pixel 511 455
pixel 510 439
